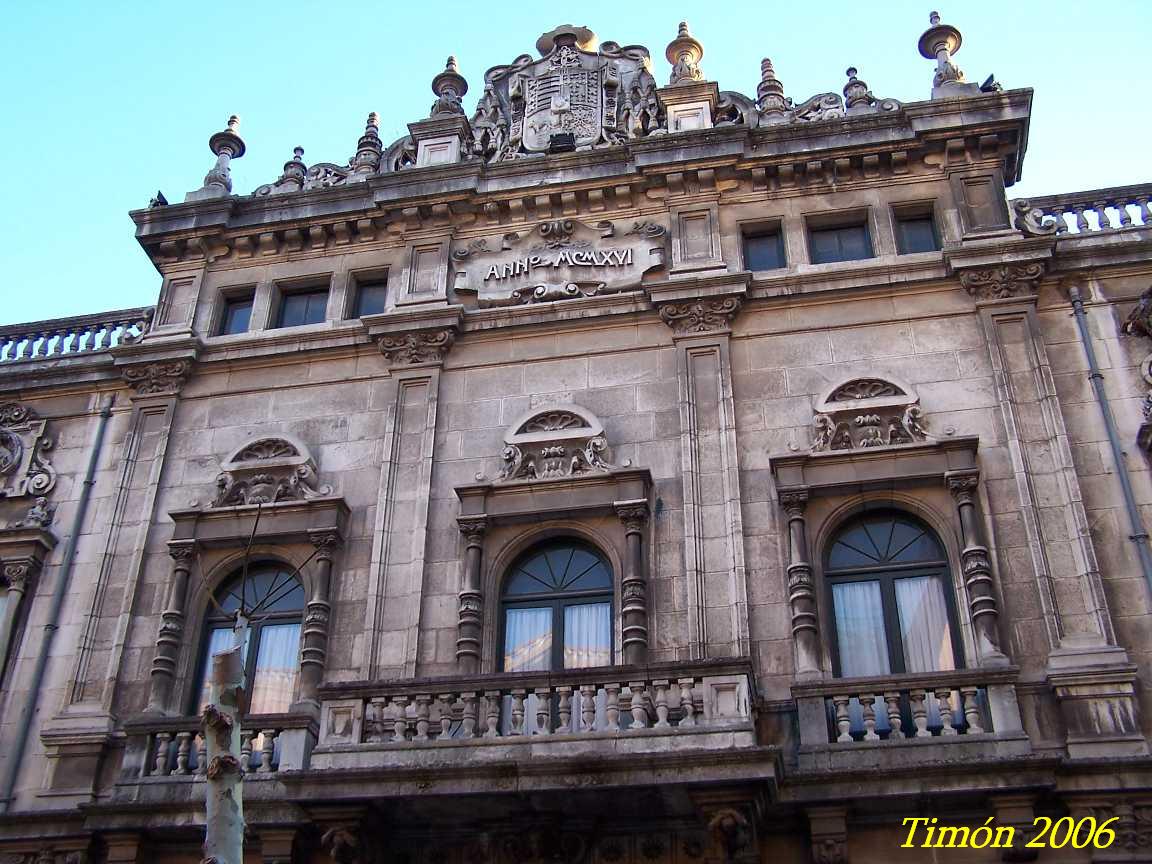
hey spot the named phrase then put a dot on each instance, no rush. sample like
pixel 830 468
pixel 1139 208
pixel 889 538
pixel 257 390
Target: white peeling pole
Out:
pixel 220 725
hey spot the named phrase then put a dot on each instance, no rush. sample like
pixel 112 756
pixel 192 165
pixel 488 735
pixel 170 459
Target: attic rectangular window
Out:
pixel 764 250
pixel 307 306
pixel 371 295
pixel 915 232
pixel 237 315
pixel 842 241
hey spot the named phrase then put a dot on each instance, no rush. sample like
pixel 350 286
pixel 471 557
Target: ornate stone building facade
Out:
pixel 629 471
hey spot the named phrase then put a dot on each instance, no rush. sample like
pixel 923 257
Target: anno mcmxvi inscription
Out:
pixel 557 260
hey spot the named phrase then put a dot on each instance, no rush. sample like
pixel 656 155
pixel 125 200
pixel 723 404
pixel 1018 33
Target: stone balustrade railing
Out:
pixel 175 746
pixel 83 334
pixel 602 701
pixel 1097 210
pixel 941 705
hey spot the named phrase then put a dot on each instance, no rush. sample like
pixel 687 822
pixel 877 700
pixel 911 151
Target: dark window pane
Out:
pixel 916 234
pixel 557 569
pixel 764 251
pixel 268 589
pixel 237 315
pixel 305 307
pixel 884 538
pixel 846 243
pixel 370 297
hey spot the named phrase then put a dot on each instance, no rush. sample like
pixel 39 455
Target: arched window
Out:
pixel 892 603
pixel 274 600
pixel 557 609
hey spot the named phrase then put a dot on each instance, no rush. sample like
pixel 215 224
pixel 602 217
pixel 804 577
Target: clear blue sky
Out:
pixel 107 102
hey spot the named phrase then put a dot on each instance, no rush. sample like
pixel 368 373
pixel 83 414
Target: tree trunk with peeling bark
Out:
pixel 220 725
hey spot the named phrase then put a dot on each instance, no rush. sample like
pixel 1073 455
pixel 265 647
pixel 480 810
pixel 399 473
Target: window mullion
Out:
pixel 892 624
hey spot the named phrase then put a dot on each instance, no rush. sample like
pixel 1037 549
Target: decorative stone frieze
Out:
pixel 24 467
pixel 276 468
pixel 711 315
pixel 159 378
pixel 867 412
pixel 556 441
pixel 1002 281
pixel 418 347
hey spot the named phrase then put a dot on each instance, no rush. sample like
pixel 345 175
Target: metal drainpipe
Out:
pixel 59 592
pixel 1139 534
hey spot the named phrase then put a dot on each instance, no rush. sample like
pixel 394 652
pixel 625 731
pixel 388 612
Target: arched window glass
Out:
pixel 274 599
pixel 891 597
pixel 557 609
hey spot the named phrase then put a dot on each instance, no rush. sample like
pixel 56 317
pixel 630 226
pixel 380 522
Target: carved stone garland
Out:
pixel 266 471
pixel 1001 281
pixel 558 441
pixel 24 469
pixel 867 412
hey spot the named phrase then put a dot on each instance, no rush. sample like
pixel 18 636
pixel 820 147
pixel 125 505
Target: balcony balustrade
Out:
pixel 1098 210
pixel 82 334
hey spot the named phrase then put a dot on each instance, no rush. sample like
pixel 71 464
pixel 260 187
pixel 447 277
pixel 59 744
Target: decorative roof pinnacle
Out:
pixel 940 42
pixel 368 148
pixel 226 145
pixel 449 87
pixel 770 91
pixel 684 53
pixel 856 92
pixel 229 139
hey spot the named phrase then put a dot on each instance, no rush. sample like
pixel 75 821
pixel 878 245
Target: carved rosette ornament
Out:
pixel 1002 281
pixel 701 316
pixel 418 347
pixel 25 469
pixel 161 378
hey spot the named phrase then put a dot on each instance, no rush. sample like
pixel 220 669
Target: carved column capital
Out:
pixel 963 485
pixel 182 552
pixel 326 541
pixel 634 515
pixel 159 378
pixel 417 347
pixel 473 529
pixel 709 315
pixel 1001 281
pixel 794 502
pixel 19 573
pixel 343 844
pixel 828 827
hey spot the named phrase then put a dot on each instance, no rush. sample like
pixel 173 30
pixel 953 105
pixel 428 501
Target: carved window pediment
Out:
pixel 868 412
pixel 267 470
pixel 554 441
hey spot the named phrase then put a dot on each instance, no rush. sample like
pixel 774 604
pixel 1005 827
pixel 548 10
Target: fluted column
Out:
pixel 171 634
pixel 314 645
pixel 18 575
pixel 801 590
pixel 977 569
pixel 471 621
pixel 634 587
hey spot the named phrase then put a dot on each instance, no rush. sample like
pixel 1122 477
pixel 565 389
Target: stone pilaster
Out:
pixel 976 566
pixel 19 576
pixel 634 585
pixel 470 627
pixel 171 633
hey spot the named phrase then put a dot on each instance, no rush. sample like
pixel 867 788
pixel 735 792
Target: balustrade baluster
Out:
pixel 1058 210
pixel 919 713
pixel 639 709
pixel 182 751
pixel 687 706
pixel 971 710
pixel 892 700
pixel 39 343
pixel 843 721
pixel 588 707
pixel 492 719
pixel 445 702
pixel 1144 205
pixel 661 704
pixel 543 710
pixel 471 714
pixel 246 750
pixel 201 755
pixel 104 338
pixel 1081 221
pixel 423 715
pixel 868 704
pixel 517 712
pixel 564 709
pixel 944 700
pixel 160 765
pixel 612 708
pixel 267 751
pixel 4 343
pixel 400 720
pixel 1122 212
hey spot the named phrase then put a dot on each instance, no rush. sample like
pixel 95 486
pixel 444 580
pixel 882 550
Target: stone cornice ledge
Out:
pixel 292 521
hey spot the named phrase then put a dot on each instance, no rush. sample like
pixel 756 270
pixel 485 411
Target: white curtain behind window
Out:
pixel 277 665
pixel 587 635
pixel 924 624
pixel 527 640
pixel 860 629
pixel 220 639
